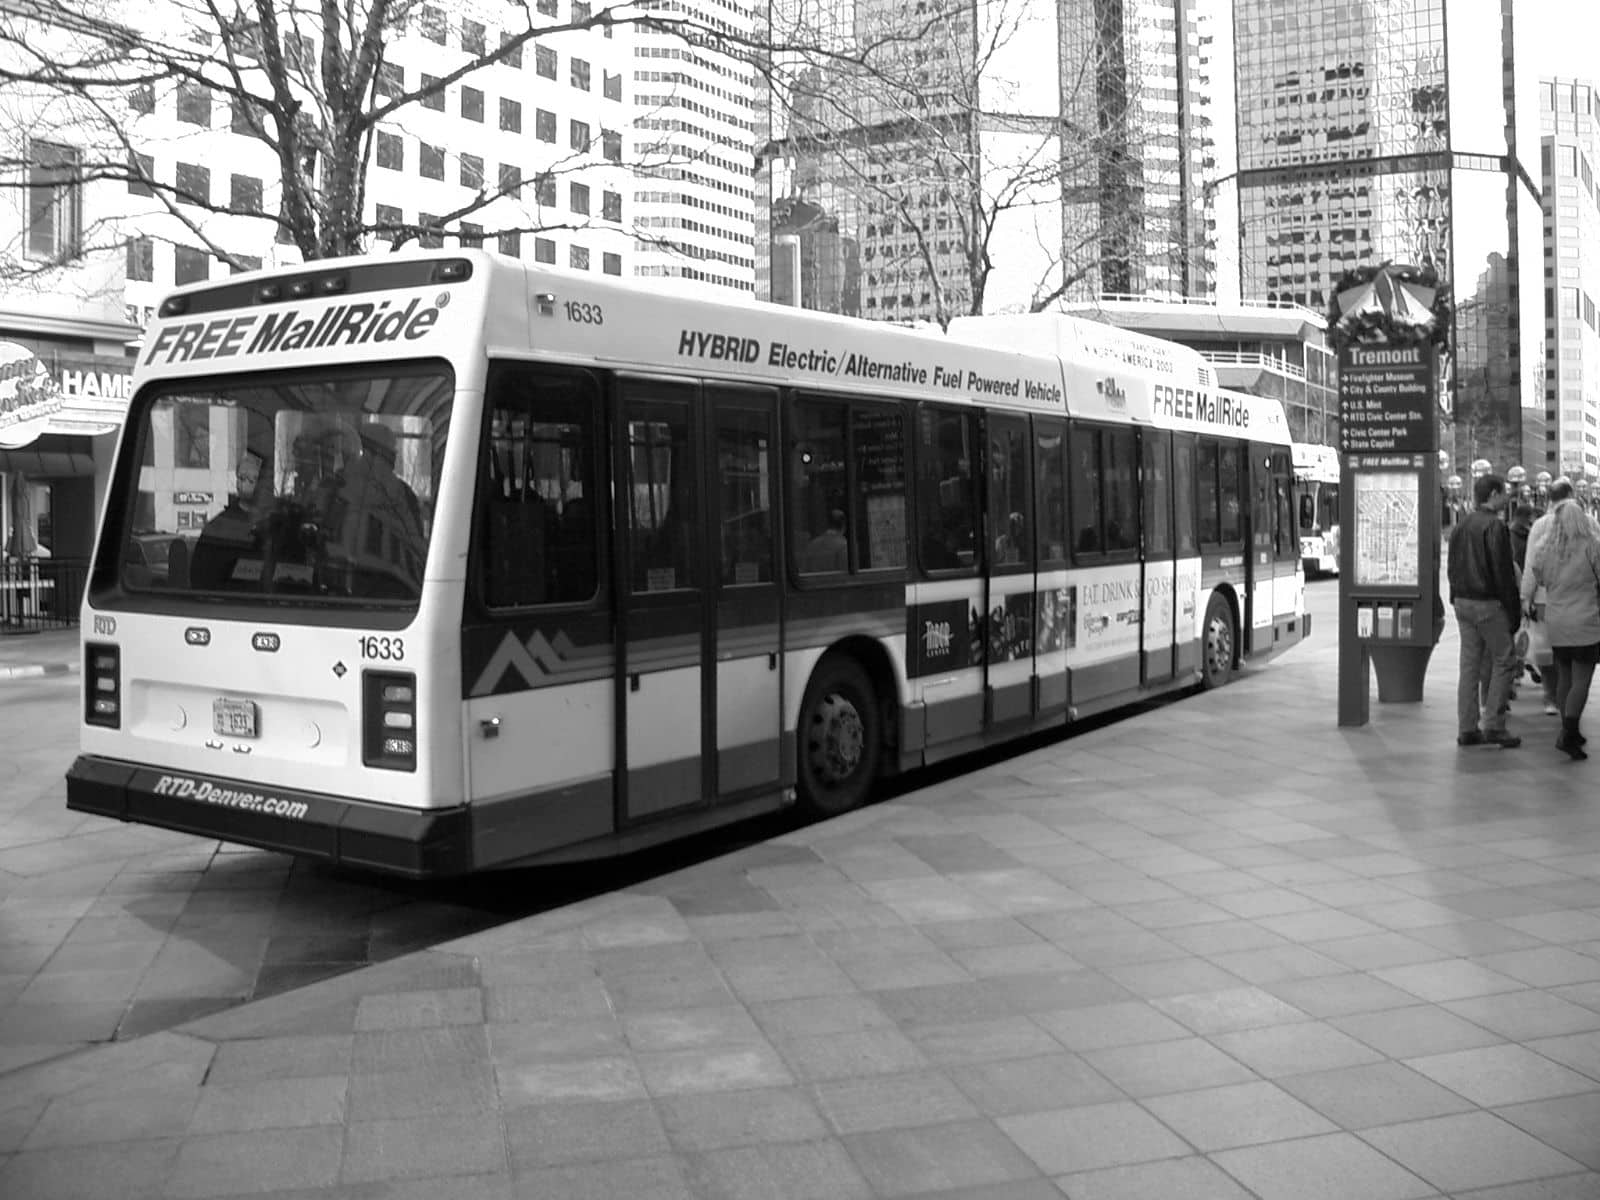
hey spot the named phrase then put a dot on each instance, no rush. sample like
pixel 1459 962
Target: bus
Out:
pixel 1316 475
pixel 476 564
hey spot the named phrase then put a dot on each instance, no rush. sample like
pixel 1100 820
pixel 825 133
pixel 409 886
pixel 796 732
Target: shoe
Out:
pixel 1550 710
pixel 1502 738
pixel 1533 673
pixel 1571 741
pixel 1470 738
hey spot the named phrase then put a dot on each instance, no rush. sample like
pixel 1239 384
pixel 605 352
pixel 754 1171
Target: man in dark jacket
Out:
pixel 1483 591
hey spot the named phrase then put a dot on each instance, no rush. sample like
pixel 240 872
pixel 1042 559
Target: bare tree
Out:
pixel 312 82
pixel 963 149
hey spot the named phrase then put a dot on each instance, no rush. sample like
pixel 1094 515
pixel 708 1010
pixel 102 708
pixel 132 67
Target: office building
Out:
pixel 1569 118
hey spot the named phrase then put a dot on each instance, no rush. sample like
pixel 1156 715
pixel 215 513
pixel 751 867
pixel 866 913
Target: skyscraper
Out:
pixel 1569 113
pixel 1400 130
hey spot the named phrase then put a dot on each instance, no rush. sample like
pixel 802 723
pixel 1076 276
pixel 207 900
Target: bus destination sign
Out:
pixel 1386 400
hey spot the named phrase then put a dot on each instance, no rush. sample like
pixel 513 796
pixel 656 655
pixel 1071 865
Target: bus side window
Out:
pixel 947 447
pixel 1083 482
pixel 1183 448
pixel 541 540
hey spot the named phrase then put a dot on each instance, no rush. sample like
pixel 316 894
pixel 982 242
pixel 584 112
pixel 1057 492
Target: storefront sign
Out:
pixel 27 395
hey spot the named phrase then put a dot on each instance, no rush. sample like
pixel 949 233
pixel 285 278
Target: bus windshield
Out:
pixel 308 487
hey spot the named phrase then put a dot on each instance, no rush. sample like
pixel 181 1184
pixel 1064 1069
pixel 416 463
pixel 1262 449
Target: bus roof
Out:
pixel 461 305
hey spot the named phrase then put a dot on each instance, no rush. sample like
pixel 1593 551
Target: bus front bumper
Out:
pixel 417 843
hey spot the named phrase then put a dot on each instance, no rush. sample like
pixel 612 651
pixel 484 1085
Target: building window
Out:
pixel 581 11
pixel 613 85
pixel 141 259
pixel 611 263
pixel 194 184
pixel 390 83
pixel 244 195
pixel 471 171
pixel 387 218
pixel 510 115
pixel 544 250
pixel 142 98
pixel 546 8
pixel 545 191
pixel 472 103
pixel 435 99
pixel 190 265
pixel 511 243
pixel 240 117
pixel 391 152
pixel 430 161
pixel 578 258
pixel 579 73
pixel 579 197
pixel 430 233
pixel 302 51
pixel 578 135
pixel 544 61
pixel 513 56
pixel 244 262
pixel 510 179
pixel 473 39
pixel 432 22
pixel 611 145
pixel 611 206
pixel 471 236
pixel 141 167
pixel 544 125
pixel 194 104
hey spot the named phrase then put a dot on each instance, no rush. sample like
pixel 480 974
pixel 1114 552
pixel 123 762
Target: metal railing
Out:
pixel 1244 358
pixel 41 593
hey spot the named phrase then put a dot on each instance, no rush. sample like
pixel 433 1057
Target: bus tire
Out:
pixel 1217 643
pixel 839 741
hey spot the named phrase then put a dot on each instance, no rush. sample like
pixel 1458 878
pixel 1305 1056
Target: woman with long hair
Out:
pixel 1567 566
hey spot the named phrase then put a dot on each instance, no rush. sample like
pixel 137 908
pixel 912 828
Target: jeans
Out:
pixel 1485 647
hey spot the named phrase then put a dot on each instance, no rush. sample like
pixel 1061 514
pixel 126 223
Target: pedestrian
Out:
pixel 1568 567
pixel 1483 592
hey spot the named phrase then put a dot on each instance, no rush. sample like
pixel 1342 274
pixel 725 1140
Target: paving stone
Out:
pixel 1095 1135
pixel 717 1120
pixel 421 1147
pixel 275 1160
pixel 1469 1150
pixel 937 1158
pixel 556 1135
pixel 1384 1093
pixel 269 1104
pixel 1334 1167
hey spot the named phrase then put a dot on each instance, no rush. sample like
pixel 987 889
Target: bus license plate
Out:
pixel 234 718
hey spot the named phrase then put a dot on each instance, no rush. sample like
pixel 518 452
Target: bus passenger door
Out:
pixel 1260 560
pixel 1157 637
pixel 747 684
pixel 1009 668
pixel 662 589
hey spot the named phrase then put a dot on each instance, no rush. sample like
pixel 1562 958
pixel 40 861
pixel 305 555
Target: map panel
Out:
pixel 1388 528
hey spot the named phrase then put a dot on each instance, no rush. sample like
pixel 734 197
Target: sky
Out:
pixel 1566 37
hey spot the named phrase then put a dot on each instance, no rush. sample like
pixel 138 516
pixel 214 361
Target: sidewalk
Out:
pixel 45 652
pixel 1220 949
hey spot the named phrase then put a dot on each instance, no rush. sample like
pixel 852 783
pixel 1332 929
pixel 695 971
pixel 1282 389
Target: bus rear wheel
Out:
pixel 1216 661
pixel 839 740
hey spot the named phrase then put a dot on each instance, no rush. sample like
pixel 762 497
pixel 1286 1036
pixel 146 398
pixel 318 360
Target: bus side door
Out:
pixel 747 685
pixel 1009 667
pixel 1157 632
pixel 1260 560
pixel 665 619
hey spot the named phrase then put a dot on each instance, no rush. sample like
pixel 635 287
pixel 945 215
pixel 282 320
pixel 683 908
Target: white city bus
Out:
pixel 1316 474
pixel 470 563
